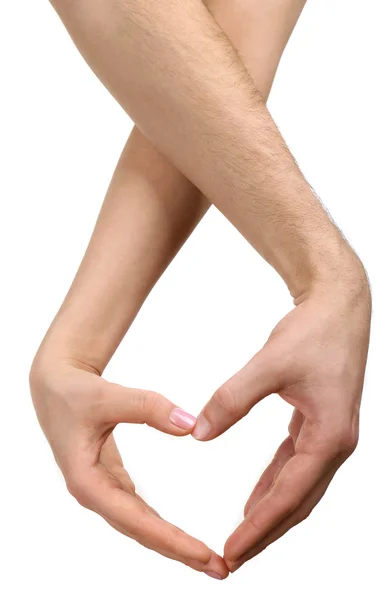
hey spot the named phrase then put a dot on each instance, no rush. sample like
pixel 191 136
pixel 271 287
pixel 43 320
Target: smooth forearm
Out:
pixel 145 218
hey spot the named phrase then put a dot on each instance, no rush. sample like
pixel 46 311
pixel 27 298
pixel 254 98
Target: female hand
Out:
pixel 78 411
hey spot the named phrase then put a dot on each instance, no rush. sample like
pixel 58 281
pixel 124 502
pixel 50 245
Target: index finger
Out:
pixel 296 480
pixel 133 518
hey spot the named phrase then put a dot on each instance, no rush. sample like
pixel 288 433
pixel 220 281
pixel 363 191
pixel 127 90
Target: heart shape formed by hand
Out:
pixel 79 410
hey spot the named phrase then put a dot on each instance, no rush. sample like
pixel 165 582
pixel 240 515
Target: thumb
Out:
pixel 235 398
pixel 128 405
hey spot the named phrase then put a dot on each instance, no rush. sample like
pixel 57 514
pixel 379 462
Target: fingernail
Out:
pixel 213 574
pixel 238 563
pixel 182 419
pixel 202 429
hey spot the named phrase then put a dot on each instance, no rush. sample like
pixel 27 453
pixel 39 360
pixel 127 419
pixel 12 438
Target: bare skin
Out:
pixel 315 357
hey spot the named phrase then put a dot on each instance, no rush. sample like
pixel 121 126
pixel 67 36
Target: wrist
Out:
pixel 51 360
pixel 341 279
pixel 332 269
pixel 73 339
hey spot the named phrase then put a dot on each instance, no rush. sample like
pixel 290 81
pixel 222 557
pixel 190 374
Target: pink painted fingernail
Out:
pixel 182 419
pixel 213 574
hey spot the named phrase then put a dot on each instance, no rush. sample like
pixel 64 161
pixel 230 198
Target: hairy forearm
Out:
pixel 177 75
pixel 151 208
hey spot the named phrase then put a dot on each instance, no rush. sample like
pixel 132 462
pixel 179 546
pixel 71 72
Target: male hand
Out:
pixel 315 360
pixel 78 411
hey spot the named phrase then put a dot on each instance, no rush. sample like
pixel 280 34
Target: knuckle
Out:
pixel 291 430
pixel 349 443
pixel 338 438
pixel 224 398
pixel 150 402
pixel 345 442
pixel 253 521
pixel 306 513
pixel 77 489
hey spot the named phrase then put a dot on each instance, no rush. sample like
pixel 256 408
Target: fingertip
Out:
pixel 211 564
pixel 213 575
pixel 231 554
pixel 233 566
pixel 235 556
pixel 232 562
pixel 216 567
pixel 230 559
pixel 203 429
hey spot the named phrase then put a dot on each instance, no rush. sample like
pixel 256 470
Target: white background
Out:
pixel 61 134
